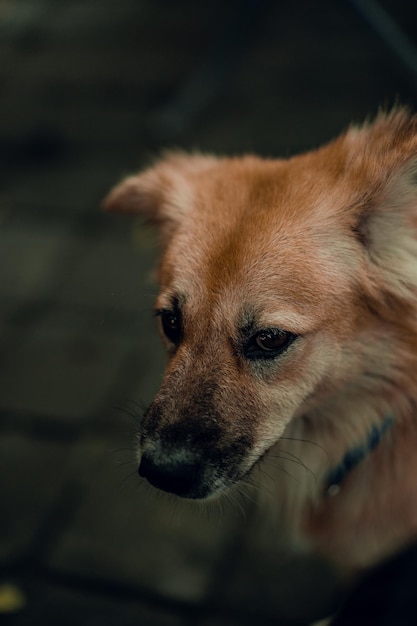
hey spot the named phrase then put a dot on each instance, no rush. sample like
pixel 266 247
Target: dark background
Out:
pixel 89 91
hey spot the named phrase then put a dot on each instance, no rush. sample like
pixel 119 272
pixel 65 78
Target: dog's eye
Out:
pixel 171 325
pixel 268 343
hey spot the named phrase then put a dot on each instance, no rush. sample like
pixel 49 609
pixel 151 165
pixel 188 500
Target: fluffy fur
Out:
pixel 322 246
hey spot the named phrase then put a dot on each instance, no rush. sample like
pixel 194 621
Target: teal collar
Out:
pixel 355 455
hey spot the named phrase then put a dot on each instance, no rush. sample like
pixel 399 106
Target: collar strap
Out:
pixel 355 455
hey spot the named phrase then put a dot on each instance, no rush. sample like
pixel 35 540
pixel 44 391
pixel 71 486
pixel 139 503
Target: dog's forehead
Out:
pixel 255 260
pixel 261 237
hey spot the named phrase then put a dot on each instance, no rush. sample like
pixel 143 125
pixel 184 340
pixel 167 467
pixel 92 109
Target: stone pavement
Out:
pixel 89 91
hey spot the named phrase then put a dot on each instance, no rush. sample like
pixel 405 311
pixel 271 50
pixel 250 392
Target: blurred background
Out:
pixel 91 91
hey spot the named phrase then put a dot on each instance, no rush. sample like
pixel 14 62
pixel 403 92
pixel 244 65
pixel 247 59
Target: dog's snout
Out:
pixel 192 457
pixel 175 474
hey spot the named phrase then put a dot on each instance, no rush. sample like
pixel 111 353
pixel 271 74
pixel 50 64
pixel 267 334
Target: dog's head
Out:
pixel 274 276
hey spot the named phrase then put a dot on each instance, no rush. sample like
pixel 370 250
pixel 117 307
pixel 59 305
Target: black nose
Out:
pixel 174 474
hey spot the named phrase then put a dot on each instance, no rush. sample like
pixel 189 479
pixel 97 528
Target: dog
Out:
pixel 288 308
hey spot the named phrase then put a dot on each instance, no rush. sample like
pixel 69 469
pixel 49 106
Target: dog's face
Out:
pixel 262 307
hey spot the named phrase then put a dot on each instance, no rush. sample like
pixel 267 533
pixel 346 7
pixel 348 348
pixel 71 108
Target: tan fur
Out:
pixel 323 245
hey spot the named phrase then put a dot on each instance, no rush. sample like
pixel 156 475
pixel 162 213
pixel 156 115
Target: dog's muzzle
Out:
pixel 193 465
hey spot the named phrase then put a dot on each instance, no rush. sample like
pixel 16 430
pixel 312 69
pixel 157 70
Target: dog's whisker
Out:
pixel 243 489
pixel 133 416
pixel 279 466
pixel 133 408
pixel 138 404
pixel 284 455
pixel 307 441
pixel 258 487
pixel 122 449
pixel 285 471
pixel 295 460
pixel 235 501
pixel 124 464
pixel 130 410
pixel 127 479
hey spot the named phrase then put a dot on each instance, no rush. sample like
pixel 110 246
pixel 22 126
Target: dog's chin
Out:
pixel 203 483
pixel 203 493
pixel 196 492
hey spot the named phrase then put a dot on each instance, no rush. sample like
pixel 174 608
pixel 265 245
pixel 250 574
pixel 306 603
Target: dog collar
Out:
pixel 354 456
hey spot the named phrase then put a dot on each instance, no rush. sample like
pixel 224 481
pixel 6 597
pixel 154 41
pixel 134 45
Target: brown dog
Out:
pixel 288 306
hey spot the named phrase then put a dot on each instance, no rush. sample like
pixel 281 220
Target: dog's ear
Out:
pixel 164 193
pixel 383 161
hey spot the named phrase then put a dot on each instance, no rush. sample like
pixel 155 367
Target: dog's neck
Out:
pixel 354 456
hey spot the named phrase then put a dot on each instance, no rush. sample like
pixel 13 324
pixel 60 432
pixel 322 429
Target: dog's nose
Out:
pixel 173 474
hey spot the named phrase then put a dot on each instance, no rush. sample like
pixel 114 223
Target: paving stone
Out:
pixel 240 618
pixel 9 336
pixel 278 88
pixel 54 604
pixel 32 474
pixel 62 373
pixel 77 64
pixel 142 372
pixel 138 536
pixel 112 275
pixel 68 187
pixel 29 260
